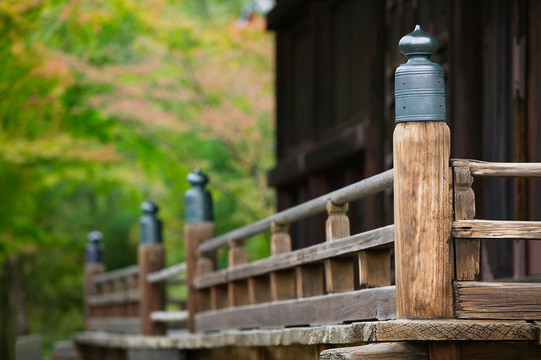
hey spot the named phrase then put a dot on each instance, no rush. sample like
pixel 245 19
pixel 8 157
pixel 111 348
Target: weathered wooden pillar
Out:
pixel 198 228
pixel 422 194
pixel 150 259
pixel 93 265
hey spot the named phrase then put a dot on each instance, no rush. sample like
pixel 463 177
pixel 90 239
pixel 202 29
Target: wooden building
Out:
pixel 335 64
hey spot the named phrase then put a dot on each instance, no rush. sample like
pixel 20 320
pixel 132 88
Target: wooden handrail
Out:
pixel 356 191
pixel 499 169
pixel 116 274
pixel 167 273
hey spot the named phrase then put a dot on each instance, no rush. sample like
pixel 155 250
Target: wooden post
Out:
pixel 339 273
pixel 198 228
pixel 282 283
pixel 150 259
pixel 422 194
pixel 93 265
pixel 466 250
pixel 237 290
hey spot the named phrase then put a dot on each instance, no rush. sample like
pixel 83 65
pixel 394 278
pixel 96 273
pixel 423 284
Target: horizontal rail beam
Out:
pixel 359 190
pixel 496 229
pixel 167 273
pixel 380 237
pixel 366 304
pixel 119 297
pixel 499 169
pixel 498 300
pixel 115 274
pixel 169 317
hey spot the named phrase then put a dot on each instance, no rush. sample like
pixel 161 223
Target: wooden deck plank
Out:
pixel 378 303
pixel 497 300
pixel 378 238
pixel 496 229
pixel 371 331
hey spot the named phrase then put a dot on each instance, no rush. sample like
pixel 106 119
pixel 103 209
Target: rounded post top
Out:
pixel 149 207
pixel 95 236
pixel 197 178
pixel 418 42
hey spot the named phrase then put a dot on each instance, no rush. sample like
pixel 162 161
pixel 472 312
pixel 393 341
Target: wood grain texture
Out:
pixel 497 229
pixel 195 234
pixel 219 298
pixel 339 275
pixel 396 350
pixel 496 300
pixel 280 240
pixel 378 238
pixel 282 285
pixel 327 309
pixel 444 350
pixel 150 259
pixel 374 268
pixel 337 224
pixel 500 169
pixel 259 289
pixel 452 330
pixel 310 280
pixel 467 252
pixel 422 217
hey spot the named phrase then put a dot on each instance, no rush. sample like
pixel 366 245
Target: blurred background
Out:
pixel 105 104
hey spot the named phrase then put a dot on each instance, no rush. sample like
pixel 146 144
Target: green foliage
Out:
pixel 107 103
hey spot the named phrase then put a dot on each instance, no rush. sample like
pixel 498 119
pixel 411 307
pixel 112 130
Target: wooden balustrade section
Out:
pixel 381 238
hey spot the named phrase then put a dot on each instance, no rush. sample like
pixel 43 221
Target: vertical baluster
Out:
pixel 422 189
pixel 339 272
pixel 466 250
pixel 93 265
pixel 120 287
pixel 198 228
pixel 150 259
pixel 237 290
pixel 282 282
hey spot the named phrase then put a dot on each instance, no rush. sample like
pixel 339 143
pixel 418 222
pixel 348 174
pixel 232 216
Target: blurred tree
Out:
pixel 104 104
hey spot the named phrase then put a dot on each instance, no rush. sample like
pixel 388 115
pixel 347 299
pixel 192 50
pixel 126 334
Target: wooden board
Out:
pixel 121 325
pixel 496 300
pixel 500 169
pixel 378 238
pixel 121 297
pixel 397 350
pixel 364 304
pixel 497 229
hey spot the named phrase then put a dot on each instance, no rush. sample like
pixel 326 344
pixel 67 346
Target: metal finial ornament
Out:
pixel 150 226
pixel 94 247
pixel 198 201
pixel 419 83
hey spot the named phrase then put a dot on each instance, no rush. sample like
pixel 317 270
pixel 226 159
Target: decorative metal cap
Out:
pixel 94 247
pixel 150 226
pixel 198 201
pixel 419 83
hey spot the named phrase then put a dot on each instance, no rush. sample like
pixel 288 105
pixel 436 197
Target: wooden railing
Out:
pixel 489 300
pixel 435 237
pixel 314 285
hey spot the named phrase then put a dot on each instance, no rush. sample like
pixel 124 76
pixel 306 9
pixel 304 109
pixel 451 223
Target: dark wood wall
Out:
pixel 335 63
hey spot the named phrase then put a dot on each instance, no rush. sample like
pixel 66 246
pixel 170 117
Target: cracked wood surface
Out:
pixel 372 331
pixel 397 351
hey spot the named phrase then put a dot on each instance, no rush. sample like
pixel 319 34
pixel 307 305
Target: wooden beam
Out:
pixel 374 239
pixel 423 217
pixel 151 258
pixel 497 229
pixel 396 350
pixel 365 304
pixel 499 169
pixel 496 300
